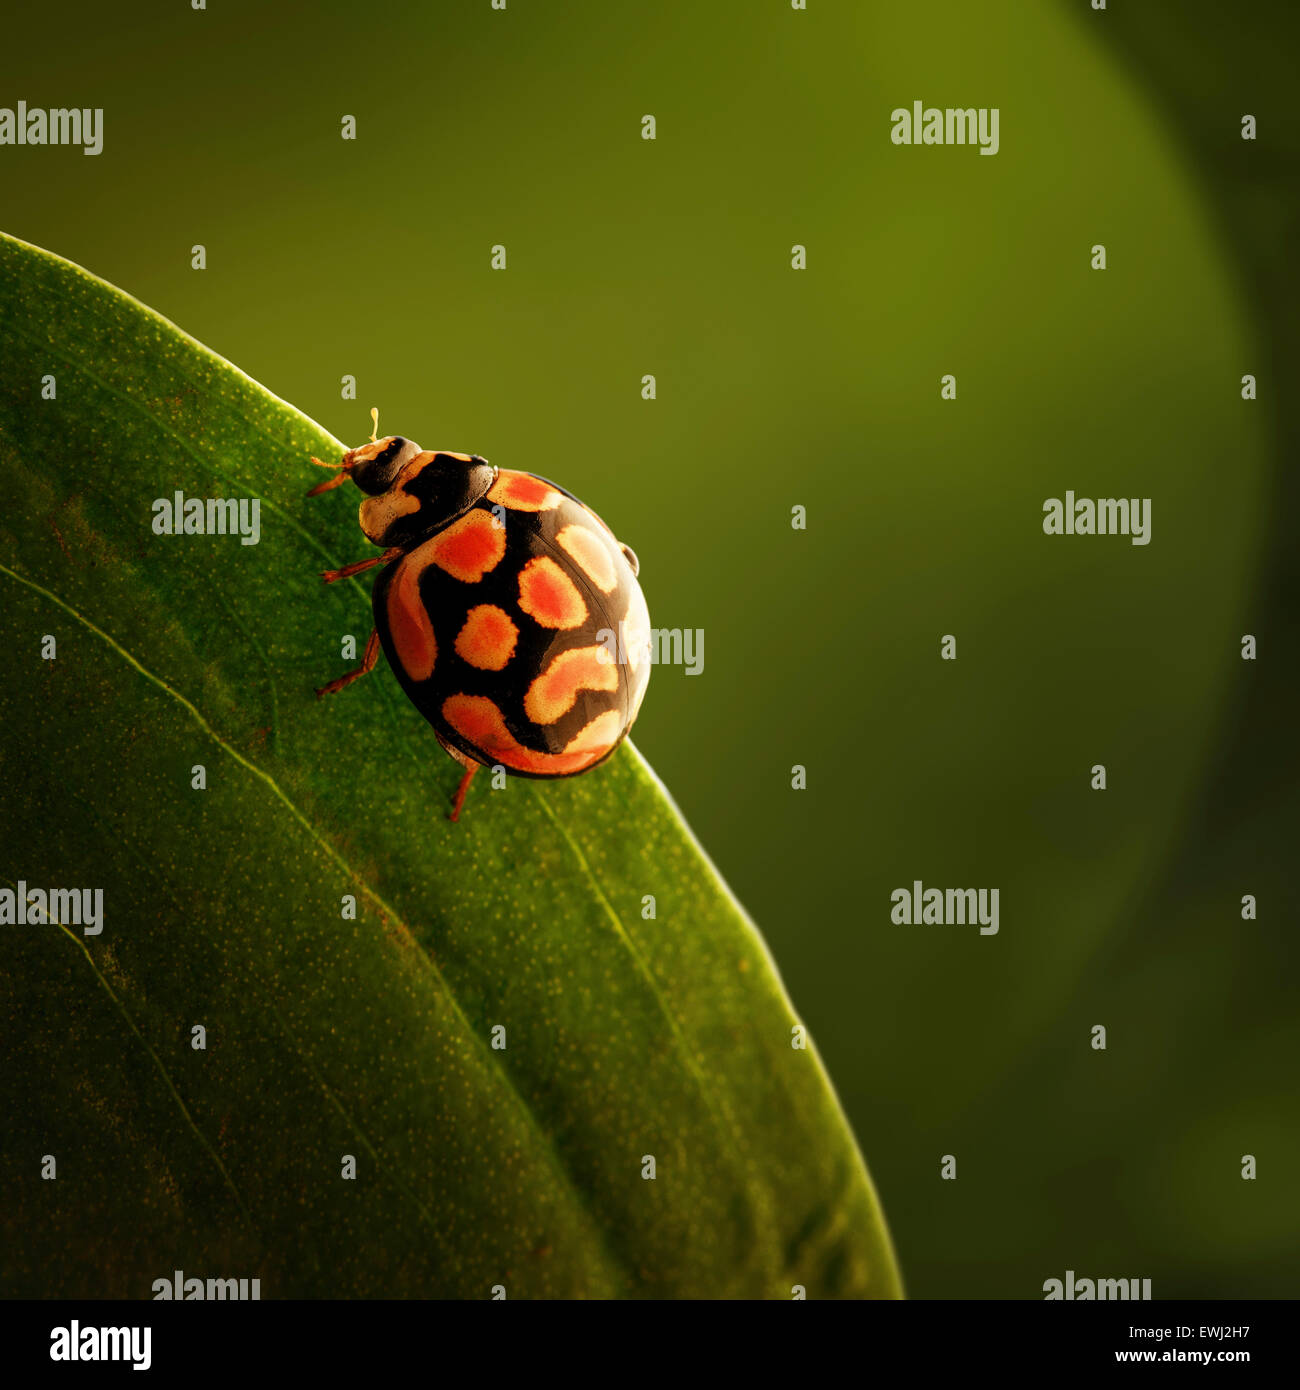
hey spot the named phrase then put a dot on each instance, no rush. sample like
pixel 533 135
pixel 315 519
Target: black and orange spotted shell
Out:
pixel 513 618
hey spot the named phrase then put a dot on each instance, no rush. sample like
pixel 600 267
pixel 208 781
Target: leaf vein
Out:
pixel 495 1068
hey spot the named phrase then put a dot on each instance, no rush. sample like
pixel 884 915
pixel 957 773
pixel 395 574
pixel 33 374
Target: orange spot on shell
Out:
pixel 468 548
pixel 549 596
pixel 552 695
pixel 597 738
pixel 522 492
pixel 477 720
pixel 408 620
pixel 488 638
pixel 591 555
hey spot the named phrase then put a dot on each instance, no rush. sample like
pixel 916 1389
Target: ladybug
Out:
pixel 509 612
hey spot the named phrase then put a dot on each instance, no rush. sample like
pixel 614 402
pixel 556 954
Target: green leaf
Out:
pixel 223 907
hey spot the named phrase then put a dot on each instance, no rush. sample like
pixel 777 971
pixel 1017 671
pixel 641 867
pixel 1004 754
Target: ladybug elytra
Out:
pixel 509 612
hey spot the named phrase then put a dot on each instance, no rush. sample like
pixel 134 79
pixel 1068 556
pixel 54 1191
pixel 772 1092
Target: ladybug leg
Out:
pixel 470 766
pixel 454 813
pixel 359 566
pixel 367 664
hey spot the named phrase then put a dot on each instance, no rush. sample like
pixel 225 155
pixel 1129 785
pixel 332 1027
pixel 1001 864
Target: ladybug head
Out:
pixel 410 491
pixel 375 466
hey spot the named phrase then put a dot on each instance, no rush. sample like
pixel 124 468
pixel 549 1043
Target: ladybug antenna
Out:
pixel 341 477
pixel 374 420
pixel 338 480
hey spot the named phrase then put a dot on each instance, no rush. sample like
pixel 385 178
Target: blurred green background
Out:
pixel 775 387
